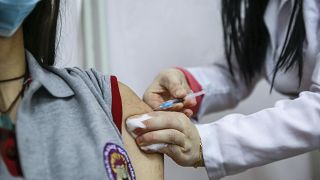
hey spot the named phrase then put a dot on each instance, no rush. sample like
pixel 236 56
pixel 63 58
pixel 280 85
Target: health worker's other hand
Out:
pixel 170 84
pixel 174 132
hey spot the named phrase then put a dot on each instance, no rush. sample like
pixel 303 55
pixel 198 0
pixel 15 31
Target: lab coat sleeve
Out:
pixel 223 91
pixel 239 142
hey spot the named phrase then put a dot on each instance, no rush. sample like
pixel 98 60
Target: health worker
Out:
pixel 276 40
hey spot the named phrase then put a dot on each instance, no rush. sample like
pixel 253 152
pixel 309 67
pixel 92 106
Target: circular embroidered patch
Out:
pixel 117 163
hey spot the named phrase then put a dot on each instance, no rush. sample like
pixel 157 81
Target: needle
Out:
pixel 172 102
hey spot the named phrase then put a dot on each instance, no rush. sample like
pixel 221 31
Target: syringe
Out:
pixel 170 103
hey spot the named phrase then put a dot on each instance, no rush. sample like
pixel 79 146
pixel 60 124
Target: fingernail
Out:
pixel 138 131
pixel 139 141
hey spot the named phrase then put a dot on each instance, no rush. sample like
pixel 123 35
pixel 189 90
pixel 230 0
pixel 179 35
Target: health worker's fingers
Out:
pixel 154 100
pixel 189 102
pixel 155 95
pixel 169 84
pixel 161 120
pixel 175 153
pixel 187 112
pixel 176 107
pixel 186 104
pixel 171 133
pixel 175 82
pixel 179 107
pixel 166 136
pixel 175 87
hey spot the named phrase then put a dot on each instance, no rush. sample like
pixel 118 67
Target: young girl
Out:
pixel 61 123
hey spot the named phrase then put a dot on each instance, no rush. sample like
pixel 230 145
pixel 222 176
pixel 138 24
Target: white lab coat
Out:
pixel 238 142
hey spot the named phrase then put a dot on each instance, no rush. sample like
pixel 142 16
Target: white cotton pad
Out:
pixel 154 147
pixel 136 122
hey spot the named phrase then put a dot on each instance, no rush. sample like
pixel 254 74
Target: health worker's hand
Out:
pixel 170 84
pixel 170 133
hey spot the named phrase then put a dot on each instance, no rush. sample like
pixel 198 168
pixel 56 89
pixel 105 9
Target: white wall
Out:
pixel 149 35
pixel 70 50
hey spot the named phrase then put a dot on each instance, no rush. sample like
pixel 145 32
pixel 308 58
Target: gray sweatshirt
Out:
pixel 65 128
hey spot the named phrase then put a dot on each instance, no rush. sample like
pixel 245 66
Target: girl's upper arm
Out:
pixel 146 166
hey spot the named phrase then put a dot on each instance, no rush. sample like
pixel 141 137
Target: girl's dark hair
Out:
pixel 40 29
pixel 246 37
